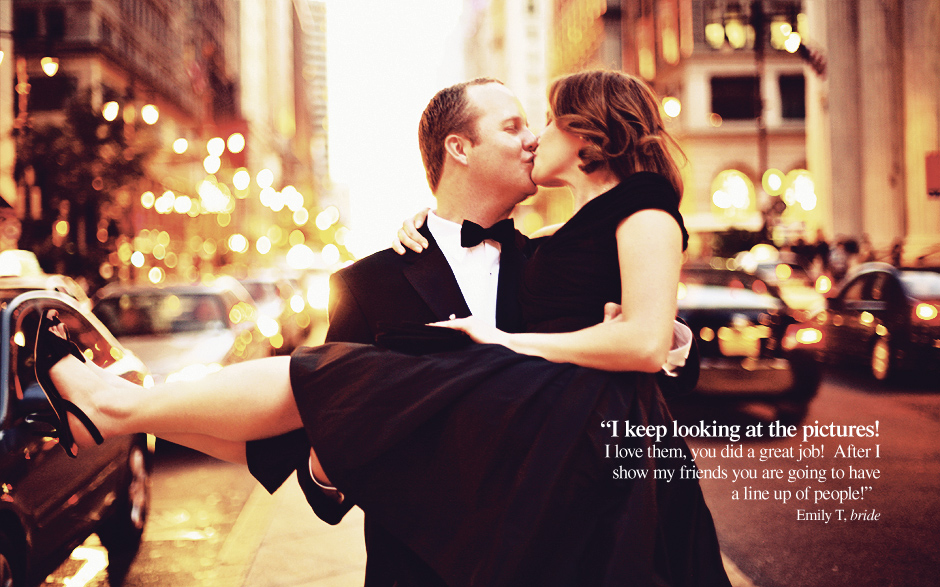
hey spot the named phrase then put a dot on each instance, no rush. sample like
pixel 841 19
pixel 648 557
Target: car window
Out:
pixel 161 313
pixel 878 292
pixel 853 292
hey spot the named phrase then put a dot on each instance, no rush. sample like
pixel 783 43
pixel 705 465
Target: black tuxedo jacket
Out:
pixel 386 287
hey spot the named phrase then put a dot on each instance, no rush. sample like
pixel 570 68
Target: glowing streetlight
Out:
pixel 50 65
pixel 732 192
pixel 772 182
pixel 672 106
pixel 715 35
pixel 736 33
pixel 110 110
pixel 792 44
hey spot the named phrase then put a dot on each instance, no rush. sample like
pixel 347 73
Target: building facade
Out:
pixel 873 134
pixel 213 91
pixel 844 89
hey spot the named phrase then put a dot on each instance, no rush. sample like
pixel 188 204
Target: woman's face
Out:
pixel 556 157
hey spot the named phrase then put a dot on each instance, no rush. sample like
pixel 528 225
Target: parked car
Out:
pixel 183 331
pixel 785 272
pixel 20 270
pixel 49 502
pixel 885 318
pixel 751 345
pixel 284 315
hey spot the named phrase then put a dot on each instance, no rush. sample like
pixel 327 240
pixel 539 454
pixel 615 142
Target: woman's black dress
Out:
pixel 493 466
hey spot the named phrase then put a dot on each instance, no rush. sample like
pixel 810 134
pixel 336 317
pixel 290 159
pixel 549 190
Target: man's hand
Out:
pixel 408 235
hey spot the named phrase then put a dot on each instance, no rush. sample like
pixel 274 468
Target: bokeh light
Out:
pixel 215 146
pixel 150 114
pixel 110 110
pixel 236 142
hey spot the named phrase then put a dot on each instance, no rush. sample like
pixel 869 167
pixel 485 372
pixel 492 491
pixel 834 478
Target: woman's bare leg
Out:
pixel 232 451
pixel 245 401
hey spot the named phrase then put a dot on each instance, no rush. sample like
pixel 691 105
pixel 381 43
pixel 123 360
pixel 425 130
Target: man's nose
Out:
pixel 531 141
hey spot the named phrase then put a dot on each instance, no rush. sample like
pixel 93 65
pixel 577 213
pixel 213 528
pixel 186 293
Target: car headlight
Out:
pixel 193 372
pixel 926 312
pixel 801 336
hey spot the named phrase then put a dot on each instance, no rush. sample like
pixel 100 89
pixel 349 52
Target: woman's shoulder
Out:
pixel 640 191
pixel 648 191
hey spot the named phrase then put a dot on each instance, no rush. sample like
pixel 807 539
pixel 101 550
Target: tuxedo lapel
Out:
pixel 508 307
pixel 433 280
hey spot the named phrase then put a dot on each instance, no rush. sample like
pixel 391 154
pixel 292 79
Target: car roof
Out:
pixel 46 282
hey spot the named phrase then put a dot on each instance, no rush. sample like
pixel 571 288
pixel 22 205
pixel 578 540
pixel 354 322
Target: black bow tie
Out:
pixel 472 234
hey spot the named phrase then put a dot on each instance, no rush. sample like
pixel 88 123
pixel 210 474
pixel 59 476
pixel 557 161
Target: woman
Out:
pixel 506 447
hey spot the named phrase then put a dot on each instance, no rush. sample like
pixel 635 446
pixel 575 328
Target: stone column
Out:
pixel 882 121
pixel 922 122
pixel 844 117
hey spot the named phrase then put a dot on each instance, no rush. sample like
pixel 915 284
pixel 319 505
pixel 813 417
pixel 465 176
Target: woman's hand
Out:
pixel 477 330
pixel 408 235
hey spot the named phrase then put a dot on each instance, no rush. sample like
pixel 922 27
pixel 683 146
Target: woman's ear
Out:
pixel 456 147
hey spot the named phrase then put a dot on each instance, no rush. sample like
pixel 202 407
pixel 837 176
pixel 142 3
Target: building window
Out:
pixel 793 96
pixel 25 24
pixel 55 23
pixel 49 94
pixel 735 98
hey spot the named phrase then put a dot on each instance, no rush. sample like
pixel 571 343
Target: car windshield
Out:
pixel 724 289
pixel 923 285
pixel 261 291
pixel 160 313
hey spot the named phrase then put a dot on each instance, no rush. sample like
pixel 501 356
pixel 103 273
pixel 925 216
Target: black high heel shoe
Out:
pixel 49 350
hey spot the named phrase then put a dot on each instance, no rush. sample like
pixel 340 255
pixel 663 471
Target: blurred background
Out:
pixel 190 172
pixel 156 140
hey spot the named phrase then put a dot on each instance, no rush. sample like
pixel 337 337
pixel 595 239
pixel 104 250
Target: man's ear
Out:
pixel 456 147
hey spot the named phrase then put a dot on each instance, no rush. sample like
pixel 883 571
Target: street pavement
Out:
pixel 293 546
pixel 285 544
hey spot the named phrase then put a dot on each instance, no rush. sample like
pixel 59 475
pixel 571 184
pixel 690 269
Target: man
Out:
pixel 478 154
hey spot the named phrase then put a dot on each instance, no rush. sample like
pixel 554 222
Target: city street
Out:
pixel 212 525
pixel 772 547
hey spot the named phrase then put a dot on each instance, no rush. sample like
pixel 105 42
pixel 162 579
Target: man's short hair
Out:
pixel 449 112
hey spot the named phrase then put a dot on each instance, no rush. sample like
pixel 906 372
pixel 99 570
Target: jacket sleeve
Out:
pixel 348 322
pixel 272 460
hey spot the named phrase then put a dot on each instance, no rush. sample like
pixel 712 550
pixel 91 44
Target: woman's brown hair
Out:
pixel 618 115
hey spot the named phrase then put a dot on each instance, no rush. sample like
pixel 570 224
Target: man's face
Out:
pixel 502 158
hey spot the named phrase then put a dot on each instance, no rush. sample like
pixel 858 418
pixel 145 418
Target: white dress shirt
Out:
pixel 476 268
